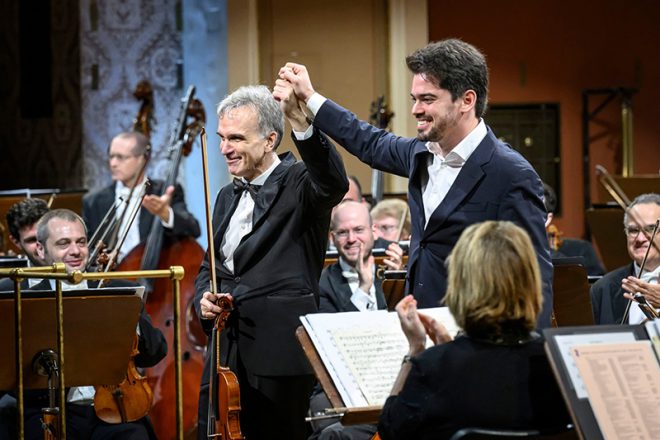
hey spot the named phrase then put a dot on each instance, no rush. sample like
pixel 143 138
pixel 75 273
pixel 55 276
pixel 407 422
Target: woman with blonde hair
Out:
pixel 495 373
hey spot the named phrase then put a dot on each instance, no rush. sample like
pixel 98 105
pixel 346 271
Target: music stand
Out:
pixel 96 353
pixel 351 416
pixel 606 225
pixel 394 286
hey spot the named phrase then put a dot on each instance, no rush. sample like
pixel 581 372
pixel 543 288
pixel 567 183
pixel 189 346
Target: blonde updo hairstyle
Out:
pixel 494 284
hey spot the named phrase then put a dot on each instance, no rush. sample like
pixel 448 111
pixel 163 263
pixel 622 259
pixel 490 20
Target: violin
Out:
pixel 224 392
pixel 127 402
pixel 131 399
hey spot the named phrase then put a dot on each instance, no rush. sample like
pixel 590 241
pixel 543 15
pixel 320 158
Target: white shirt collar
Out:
pixel 464 149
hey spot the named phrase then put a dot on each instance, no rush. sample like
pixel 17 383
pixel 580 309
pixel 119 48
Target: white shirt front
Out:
pixel 636 315
pixel 364 301
pixel 443 171
pixel 240 223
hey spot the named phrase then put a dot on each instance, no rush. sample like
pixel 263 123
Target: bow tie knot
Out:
pixel 240 186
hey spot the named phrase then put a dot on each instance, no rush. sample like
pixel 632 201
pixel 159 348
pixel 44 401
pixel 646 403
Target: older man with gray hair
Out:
pixel 610 296
pixel 270 226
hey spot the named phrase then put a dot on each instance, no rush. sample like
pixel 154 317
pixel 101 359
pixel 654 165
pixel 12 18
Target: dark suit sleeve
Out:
pixel 327 181
pixel 152 344
pixel 185 224
pixel 327 298
pixel 376 147
pixel 523 206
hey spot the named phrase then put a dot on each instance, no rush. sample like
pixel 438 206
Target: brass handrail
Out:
pixel 58 273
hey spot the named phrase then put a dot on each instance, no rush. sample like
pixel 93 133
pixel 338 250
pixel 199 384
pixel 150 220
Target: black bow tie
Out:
pixel 240 186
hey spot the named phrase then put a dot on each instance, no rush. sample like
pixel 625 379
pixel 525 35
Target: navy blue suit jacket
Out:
pixel 495 183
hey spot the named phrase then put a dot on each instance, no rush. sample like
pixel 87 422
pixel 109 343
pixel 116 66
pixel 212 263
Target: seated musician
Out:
pixel 62 237
pixel 350 285
pixel 386 216
pixel 22 218
pixel 495 373
pixel 568 247
pixel 127 156
pixel 610 295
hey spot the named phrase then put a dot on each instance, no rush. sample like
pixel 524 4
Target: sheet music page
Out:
pixel 363 350
pixel 566 342
pixel 623 384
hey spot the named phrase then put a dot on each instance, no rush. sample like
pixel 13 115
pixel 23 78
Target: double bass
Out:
pixel 158 253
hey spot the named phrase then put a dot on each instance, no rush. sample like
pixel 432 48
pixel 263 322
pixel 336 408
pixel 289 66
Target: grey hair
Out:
pixel 63 214
pixel 642 199
pixel 259 98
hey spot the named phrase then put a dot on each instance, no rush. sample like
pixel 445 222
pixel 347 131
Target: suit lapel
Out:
pixel 470 175
pixel 341 289
pixel 619 303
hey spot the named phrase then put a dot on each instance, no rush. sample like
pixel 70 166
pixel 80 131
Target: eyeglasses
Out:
pixel 120 157
pixel 633 231
pixel 386 228
pixel 343 233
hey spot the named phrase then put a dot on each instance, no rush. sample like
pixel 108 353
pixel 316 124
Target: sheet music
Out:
pixel 566 342
pixel 653 330
pixel 622 381
pixel 363 351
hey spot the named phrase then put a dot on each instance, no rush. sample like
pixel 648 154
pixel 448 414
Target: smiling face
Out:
pixel 643 216
pixel 247 151
pixel 439 118
pixel 66 243
pixel 351 230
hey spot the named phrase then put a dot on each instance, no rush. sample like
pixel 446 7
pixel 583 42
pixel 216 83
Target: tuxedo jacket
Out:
pixel 495 183
pixel 607 299
pixel 97 204
pixel 335 292
pixel 277 265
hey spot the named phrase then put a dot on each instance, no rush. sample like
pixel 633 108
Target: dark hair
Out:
pixel 455 66
pixel 24 213
pixel 549 198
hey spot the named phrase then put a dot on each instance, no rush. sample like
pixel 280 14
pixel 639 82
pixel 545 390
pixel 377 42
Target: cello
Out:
pixel 186 252
pixel 225 397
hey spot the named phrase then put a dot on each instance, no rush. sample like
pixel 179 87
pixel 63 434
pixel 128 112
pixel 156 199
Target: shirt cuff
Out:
pixel 315 102
pixel 169 224
pixel 304 135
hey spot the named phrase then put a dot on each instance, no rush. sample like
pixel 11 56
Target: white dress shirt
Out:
pixel 364 301
pixel 240 223
pixel 133 236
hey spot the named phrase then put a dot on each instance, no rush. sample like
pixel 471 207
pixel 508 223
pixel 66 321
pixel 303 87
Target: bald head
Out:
pixel 350 228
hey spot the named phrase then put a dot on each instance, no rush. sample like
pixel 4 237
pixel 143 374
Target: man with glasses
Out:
pixel 127 155
pixel 611 294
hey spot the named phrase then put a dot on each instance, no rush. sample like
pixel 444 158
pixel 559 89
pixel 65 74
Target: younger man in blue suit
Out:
pixel 459 172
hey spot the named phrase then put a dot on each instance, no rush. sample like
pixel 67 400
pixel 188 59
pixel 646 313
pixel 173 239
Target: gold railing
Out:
pixel 58 273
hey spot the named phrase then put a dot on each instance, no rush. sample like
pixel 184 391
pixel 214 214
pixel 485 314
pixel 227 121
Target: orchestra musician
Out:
pixel 387 218
pixel 350 285
pixel 62 238
pixel 22 218
pixel 495 374
pixel 271 229
pixel 128 154
pixel 610 295
pixel 459 172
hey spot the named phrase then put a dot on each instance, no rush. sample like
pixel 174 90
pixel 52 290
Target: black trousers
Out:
pixel 272 407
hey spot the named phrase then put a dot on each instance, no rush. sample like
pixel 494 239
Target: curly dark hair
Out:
pixel 24 213
pixel 455 66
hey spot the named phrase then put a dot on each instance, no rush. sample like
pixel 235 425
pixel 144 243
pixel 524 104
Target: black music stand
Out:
pixel 99 329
